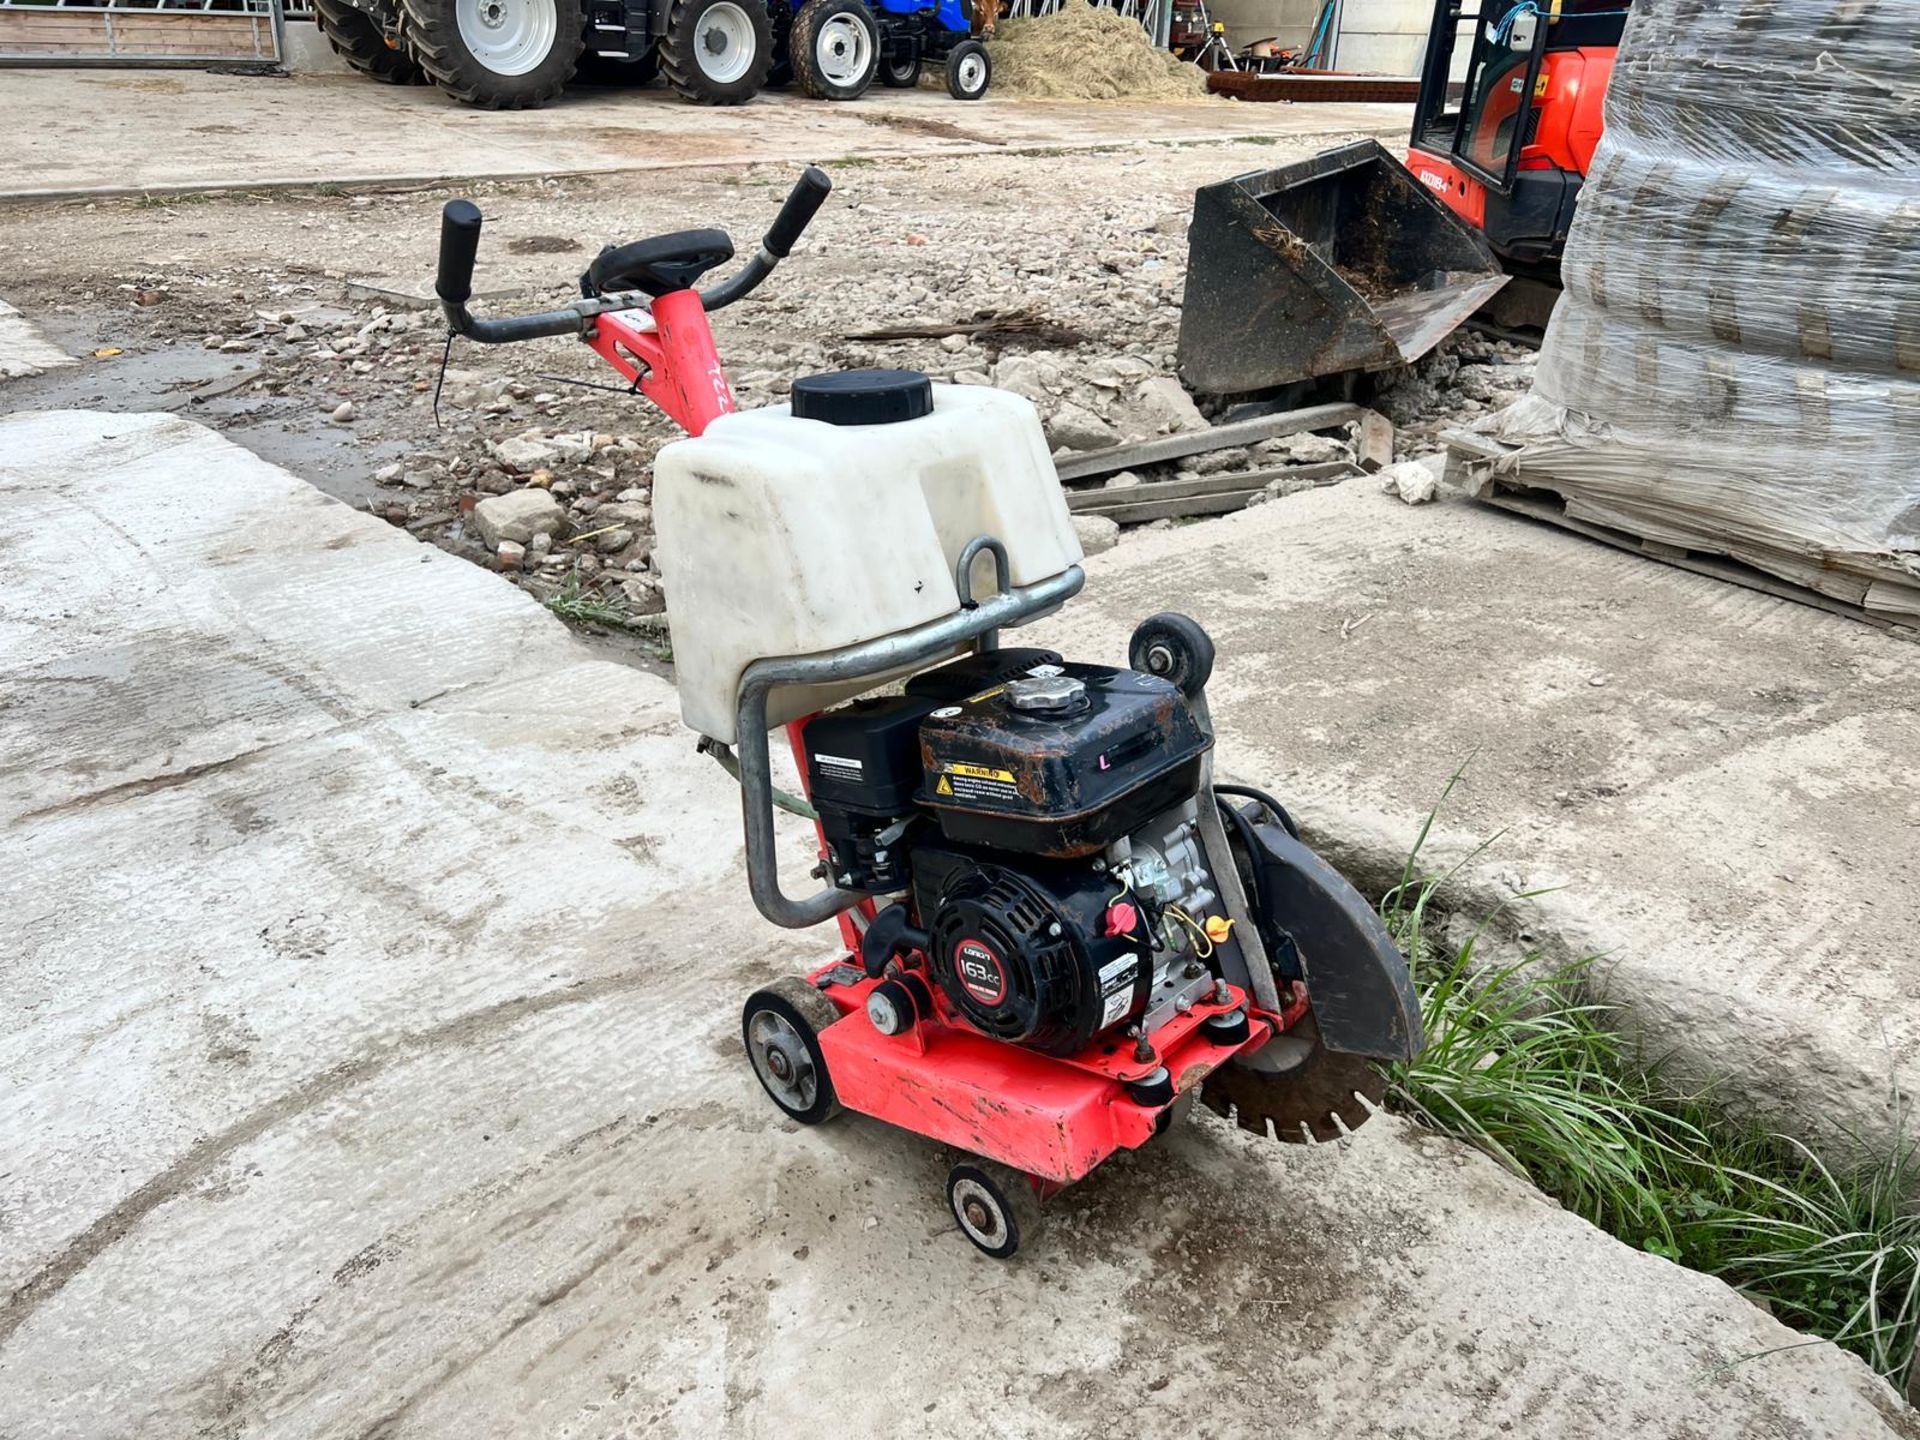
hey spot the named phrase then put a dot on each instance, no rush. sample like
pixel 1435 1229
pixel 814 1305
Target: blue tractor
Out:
pixel 836 48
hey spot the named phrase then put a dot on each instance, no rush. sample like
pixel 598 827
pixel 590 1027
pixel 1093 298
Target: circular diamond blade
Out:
pixel 1323 1097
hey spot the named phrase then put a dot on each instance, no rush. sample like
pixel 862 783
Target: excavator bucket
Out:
pixel 1342 262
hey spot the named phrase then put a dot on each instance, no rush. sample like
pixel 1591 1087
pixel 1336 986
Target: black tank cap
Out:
pixel 863 397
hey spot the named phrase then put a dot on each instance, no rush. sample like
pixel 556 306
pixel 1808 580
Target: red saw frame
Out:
pixel 1052 1118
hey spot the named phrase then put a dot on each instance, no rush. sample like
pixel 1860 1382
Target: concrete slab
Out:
pixel 102 132
pixel 24 351
pixel 1720 790
pixel 367 1026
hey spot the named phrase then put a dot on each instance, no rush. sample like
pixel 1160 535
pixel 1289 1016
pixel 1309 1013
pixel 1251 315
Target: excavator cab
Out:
pixel 1509 114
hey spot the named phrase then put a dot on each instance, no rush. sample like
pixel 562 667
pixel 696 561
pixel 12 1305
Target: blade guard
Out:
pixel 1361 993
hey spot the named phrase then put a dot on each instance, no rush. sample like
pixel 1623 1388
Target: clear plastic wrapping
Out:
pixel 1735 364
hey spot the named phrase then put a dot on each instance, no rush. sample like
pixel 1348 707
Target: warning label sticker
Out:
pixel 977 772
pixel 1116 988
pixel 975 782
pixel 837 767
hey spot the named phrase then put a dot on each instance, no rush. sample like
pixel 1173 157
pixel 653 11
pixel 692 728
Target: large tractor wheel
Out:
pixel 356 37
pixel 717 52
pixel 497 54
pixel 835 48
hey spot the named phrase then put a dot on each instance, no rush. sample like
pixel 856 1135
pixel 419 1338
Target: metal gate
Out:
pixel 140 32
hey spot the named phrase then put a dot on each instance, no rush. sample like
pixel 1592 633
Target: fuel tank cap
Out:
pixel 1047 695
pixel 863 397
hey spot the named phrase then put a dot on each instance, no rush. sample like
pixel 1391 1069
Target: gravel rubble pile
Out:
pixel 535 461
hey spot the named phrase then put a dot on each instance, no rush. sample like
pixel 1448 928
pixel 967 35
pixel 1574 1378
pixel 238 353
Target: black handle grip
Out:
pixel 459 244
pixel 803 202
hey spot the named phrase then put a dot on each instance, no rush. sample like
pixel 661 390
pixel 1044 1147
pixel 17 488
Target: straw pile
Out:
pixel 1084 53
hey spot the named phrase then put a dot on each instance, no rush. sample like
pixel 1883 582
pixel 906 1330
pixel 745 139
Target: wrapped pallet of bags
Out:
pixel 1732 376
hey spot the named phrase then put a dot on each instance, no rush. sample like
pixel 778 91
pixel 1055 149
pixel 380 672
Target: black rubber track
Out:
pixel 434 36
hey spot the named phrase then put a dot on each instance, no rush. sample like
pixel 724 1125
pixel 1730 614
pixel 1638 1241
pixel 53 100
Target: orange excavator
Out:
pixel 1350 262
pixel 1508 143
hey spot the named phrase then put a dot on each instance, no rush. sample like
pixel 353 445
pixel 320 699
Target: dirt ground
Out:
pixel 371 1067
pixel 298 324
pixel 414 1105
pixel 126 132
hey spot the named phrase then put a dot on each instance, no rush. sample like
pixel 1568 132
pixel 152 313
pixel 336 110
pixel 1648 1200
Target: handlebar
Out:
pixel 803 202
pixel 460 224
pixel 459 245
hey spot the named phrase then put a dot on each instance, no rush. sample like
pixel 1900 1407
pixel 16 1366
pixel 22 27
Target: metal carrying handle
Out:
pixel 870 659
pixel 963 579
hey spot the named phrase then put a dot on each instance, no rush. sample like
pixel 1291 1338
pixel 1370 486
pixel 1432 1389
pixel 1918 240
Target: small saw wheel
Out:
pixel 1175 648
pixel 994 1205
pixel 1324 1097
pixel 781 1026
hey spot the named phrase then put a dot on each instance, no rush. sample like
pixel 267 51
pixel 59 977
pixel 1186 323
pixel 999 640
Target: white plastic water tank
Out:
pixel 782 536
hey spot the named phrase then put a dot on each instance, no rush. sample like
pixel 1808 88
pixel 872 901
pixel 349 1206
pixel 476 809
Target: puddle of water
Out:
pixel 212 388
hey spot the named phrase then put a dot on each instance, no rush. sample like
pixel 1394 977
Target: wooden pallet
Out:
pixel 1330 86
pixel 1482 468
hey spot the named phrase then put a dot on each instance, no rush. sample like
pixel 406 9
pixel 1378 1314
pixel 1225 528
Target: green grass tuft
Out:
pixel 577 605
pixel 1524 1064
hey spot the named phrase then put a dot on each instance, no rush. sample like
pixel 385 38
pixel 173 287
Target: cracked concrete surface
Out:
pixel 370 1068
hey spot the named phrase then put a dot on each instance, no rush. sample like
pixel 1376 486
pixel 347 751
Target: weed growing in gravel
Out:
pixel 577 605
pixel 1522 1063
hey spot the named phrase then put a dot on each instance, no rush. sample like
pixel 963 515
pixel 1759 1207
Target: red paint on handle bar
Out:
pixel 674 362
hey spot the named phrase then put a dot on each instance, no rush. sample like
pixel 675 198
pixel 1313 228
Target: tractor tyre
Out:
pixel 717 52
pixel 901 74
pixel 781 75
pixel 497 54
pixel 356 37
pixel 597 69
pixel 835 49
pixel 969 70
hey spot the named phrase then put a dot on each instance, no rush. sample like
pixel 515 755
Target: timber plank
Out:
pixel 1102 500
pixel 1197 442
pixel 1189 507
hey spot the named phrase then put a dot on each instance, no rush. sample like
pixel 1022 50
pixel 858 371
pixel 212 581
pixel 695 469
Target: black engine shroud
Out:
pixel 1021 954
pixel 1064 783
pixel 993 814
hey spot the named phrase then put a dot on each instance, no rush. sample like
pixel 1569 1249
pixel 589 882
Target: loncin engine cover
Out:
pixel 1025 964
